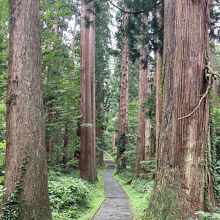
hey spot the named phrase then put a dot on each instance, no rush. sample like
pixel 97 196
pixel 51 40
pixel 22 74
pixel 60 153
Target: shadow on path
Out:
pixel 116 205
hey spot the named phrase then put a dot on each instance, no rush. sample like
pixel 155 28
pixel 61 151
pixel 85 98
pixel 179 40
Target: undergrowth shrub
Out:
pixel 215 215
pixel 142 185
pixel 67 196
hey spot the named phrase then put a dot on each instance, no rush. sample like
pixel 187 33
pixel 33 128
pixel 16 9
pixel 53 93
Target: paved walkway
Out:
pixel 116 205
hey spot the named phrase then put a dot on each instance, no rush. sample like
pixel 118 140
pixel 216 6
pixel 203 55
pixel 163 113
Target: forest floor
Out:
pixel 116 205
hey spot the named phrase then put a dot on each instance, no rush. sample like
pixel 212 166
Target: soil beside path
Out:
pixel 116 205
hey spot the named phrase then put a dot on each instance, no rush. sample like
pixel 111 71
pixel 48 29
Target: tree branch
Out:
pixel 161 29
pixel 133 12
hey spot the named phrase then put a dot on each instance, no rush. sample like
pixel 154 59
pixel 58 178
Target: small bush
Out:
pixel 142 185
pixel 67 196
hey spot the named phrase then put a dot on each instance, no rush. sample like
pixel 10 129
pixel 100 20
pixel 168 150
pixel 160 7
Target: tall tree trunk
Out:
pixel 181 174
pixel 92 76
pixel 144 94
pixel 147 154
pixel 113 142
pixel 123 106
pixel 87 104
pixel 140 149
pixel 147 136
pixel 159 63
pixel 25 183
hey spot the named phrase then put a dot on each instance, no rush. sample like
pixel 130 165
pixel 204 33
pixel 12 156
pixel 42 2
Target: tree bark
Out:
pixel 87 145
pixel 147 136
pixel 143 140
pixel 159 64
pixel 181 174
pixel 140 149
pixel 92 76
pixel 147 147
pixel 25 161
pixel 123 105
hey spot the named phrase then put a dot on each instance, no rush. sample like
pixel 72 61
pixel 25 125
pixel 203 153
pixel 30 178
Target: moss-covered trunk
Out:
pixel 181 173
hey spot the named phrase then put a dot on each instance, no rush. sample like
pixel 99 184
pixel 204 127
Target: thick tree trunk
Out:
pixel 87 145
pixel 25 180
pixel 159 64
pixel 123 106
pixel 181 175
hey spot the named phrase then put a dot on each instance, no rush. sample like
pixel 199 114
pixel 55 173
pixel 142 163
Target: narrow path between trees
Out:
pixel 116 205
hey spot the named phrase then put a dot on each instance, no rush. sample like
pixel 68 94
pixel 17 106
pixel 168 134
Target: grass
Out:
pixel 138 197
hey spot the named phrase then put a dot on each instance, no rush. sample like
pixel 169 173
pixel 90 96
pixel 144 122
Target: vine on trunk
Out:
pixel 10 208
pixel 210 76
pixel 213 138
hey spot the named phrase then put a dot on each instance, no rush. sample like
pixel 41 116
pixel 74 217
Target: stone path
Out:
pixel 116 205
